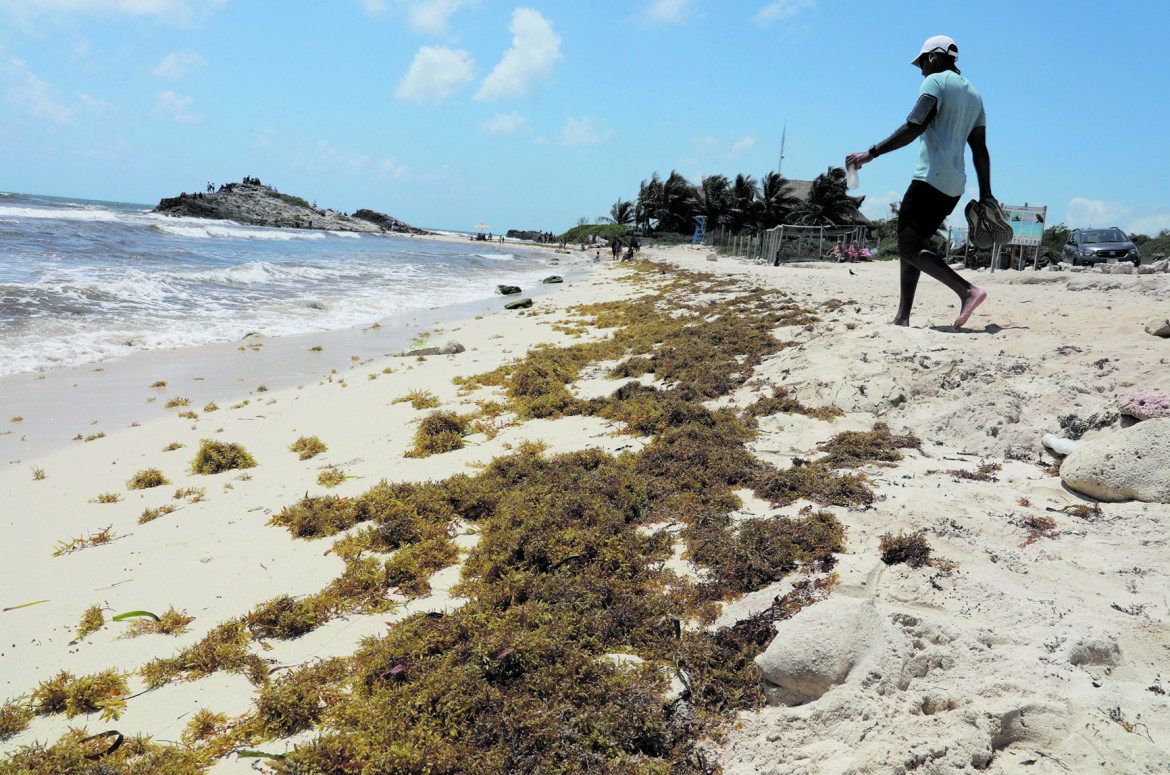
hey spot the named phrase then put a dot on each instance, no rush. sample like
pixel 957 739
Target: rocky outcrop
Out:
pixel 531 236
pixel 828 644
pixel 256 204
pixel 1133 463
pixel 391 224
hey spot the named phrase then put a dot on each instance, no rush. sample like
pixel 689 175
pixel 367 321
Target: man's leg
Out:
pixel 917 206
pixel 909 245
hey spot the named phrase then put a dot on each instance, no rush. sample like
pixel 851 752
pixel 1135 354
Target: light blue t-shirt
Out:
pixel 941 147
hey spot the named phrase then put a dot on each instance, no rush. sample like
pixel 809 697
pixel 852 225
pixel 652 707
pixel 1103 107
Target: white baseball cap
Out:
pixel 939 43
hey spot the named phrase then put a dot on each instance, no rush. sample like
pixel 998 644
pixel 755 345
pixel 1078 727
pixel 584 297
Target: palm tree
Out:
pixel 676 205
pixel 745 208
pixel 776 201
pixel 714 199
pixel 621 213
pixel 649 201
pixel 827 203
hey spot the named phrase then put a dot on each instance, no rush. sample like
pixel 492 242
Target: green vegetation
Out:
pixel 73 696
pixel 14 717
pixel 147 478
pixel 911 549
pixel 150 514
pixel 419 399
pixel 214 457
pixel 570 565
pixel 307 447
pixel 331 477
pixel 177 402
pixel 1152 248
pixel 91 621
pixel 742 205
pixel 437 433
pixel 103 536
pixel 609 231
pixel 172 622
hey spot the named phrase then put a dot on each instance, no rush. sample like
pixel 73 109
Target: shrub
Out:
pixel 307 447
pixel 911 549
pixel 419 399
pixel 437 433
pixel 147 478
pixel 214 457
pixel 172 622
pixel 91 621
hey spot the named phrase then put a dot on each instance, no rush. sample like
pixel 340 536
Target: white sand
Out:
pixel 995 634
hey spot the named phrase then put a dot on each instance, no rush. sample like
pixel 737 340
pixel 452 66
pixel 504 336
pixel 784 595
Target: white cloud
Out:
pixel 435 74
pixel 535 51
pixel 373 7
pixel 351 163
pixel 781 9
pixel 118 149
pixel 585 131
pixel 431 17
pixel 177 64
pixel 170 11
pixel 741 145
pixel 92 104
pixel 878 207
pixel 669 11
pixel 33 96
pixel 504 124
pixel 1084 213
pixel 391 169
pixel 176 107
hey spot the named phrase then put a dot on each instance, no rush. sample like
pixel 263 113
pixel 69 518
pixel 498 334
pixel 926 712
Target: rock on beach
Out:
pixel 1132 464
pixel 825 644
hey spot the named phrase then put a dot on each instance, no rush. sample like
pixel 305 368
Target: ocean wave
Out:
pixel 496 256
pixel 61 214
pixel 345 234
pixel 236 232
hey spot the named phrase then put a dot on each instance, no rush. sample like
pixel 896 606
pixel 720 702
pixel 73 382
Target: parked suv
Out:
pixel 1095 246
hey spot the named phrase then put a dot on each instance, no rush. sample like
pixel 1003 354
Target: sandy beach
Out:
pixel 1035 642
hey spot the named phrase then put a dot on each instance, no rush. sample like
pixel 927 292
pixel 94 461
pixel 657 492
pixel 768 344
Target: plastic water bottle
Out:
pixel 851 178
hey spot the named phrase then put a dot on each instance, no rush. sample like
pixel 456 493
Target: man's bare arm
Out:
pixel 981 158
pixel 910 131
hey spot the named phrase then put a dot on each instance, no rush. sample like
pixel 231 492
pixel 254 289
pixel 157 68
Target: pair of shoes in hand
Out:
pixel 987 223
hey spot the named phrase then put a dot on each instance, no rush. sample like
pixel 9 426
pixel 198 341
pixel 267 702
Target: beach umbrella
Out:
pixel 482 226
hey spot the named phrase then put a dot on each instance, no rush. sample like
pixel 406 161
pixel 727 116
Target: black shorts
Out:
pixel 924 208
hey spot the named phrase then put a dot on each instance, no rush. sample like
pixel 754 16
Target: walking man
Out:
pixel 947 117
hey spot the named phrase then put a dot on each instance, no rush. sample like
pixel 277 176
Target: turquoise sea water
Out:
pixel 82 281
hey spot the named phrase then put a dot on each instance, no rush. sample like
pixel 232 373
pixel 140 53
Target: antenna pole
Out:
pixel 783 137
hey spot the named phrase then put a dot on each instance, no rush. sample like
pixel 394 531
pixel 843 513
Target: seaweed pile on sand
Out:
pixel 570 569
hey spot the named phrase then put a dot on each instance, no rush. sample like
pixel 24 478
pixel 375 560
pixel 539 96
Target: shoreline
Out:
pixel 976 397
pixel 56 404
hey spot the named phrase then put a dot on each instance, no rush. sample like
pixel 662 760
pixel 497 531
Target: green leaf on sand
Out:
pixel 134 614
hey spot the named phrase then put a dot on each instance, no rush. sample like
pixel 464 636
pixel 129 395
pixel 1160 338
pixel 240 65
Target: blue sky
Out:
pixel 446 113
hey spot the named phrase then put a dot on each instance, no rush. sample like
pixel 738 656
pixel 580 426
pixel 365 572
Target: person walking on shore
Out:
pixel 947 117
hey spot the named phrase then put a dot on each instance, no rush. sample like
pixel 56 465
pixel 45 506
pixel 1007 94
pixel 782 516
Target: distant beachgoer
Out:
pixel 597 258
pixel 948 117
pixel 851 251
pixel 616 248
pixel 865 255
